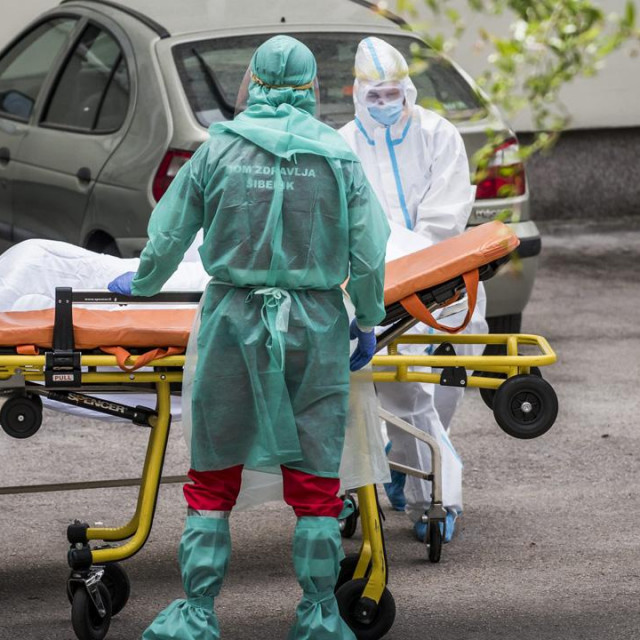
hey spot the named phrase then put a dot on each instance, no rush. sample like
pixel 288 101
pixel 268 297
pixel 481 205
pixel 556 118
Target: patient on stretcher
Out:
pixel 31 270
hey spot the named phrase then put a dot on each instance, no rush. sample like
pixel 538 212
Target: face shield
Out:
pixel 243 92
pixel 383 92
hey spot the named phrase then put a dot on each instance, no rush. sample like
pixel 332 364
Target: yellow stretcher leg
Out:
pixel 138 528
pixel 365 603
pixel 372 550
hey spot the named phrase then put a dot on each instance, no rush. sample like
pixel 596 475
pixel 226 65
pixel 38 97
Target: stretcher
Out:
pixel 68 354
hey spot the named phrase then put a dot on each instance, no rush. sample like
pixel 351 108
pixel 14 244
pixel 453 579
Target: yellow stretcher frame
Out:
pixel 17 371
pixel 31 370
pixel 510 364
pixel 395 367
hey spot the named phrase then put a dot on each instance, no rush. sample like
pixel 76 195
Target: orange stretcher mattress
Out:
pixel 28 331
pixel 447 260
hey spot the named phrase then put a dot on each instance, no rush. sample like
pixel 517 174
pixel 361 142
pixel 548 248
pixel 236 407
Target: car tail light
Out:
pixel 169 167
pixel 504 175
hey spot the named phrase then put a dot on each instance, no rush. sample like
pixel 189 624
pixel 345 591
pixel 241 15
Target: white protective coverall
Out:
pixel 419 170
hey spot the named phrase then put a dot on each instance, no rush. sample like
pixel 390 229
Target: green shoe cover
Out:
pixel 317 552
pixel 203 555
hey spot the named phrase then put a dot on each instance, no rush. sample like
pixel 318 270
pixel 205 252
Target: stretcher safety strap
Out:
pixel 418 310
pixel 122 355
pixel 27 350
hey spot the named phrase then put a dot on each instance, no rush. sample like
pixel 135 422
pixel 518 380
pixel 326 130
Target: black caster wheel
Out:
pixel 71 589
pixel 87 623
pixel 21 416
pixel 367 620
pixel 488 395
pixel 349 525
pixel 434 542
pixel 116 580
pixel 347 569
pixel 525 406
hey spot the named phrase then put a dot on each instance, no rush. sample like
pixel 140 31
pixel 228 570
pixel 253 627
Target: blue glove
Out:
pixel 365 349
pixel 122 284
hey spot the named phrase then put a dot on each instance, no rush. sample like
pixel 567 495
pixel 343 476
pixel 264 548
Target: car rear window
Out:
pixel 211 72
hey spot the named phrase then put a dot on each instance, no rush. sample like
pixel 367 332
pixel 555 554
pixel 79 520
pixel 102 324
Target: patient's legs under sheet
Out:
pixel 414 403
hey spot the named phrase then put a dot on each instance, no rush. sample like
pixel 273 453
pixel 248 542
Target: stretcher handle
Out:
pixel 122 355
pixel 418 310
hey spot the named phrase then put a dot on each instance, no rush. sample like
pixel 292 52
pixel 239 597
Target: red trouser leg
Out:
pixel 213 490
pixel 311 495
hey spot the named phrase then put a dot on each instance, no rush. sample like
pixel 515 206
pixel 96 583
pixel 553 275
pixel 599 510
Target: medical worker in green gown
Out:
pixel 288 217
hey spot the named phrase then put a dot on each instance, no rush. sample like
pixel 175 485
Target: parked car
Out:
pixel 101 103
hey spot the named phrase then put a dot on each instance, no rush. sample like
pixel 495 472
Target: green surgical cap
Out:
pixel 283 61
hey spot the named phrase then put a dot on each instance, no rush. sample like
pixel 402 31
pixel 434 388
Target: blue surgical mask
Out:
pixel 387 114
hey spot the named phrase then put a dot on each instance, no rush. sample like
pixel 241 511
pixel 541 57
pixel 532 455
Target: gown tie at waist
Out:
pixel 276 308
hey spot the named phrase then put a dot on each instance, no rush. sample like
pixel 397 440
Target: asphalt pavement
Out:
pixel 547 548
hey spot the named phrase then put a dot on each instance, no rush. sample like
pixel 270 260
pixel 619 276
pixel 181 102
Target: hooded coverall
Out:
pixel 419 170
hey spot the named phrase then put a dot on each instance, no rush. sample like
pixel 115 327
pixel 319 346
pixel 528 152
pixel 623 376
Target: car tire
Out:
pixel 502 324
pixel 505 324
pixel 111 249
pixel 103 243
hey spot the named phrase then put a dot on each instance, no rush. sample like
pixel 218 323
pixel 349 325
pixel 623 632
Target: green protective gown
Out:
pixel 288 216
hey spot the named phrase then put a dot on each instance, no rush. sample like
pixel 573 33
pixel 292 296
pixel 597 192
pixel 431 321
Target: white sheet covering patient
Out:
pixel 31 270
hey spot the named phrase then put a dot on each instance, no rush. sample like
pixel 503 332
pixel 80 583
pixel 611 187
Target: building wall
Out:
pixel 591 174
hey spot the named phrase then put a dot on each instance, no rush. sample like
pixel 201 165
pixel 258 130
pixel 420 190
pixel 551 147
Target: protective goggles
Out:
pixel 384 94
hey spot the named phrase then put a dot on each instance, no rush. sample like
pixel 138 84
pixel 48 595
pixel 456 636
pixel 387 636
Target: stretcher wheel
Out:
pixel 367 619
pixel 116 580
pixel 525 406
pixel 87 622
pixel 488 395
pixel 349 525
pixel 347 569
pixel 21 416
pixel 434 541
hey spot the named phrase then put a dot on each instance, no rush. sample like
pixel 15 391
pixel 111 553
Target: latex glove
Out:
pixel 122 284
pixel 365 349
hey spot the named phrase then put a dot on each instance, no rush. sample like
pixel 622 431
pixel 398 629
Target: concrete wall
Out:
pixel 594 170
pixel 590 174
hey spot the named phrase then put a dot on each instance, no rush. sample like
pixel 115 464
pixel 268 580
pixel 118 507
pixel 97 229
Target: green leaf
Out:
pixel 629 19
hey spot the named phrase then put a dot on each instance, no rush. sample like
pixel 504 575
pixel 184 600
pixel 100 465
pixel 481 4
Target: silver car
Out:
pixel 101 103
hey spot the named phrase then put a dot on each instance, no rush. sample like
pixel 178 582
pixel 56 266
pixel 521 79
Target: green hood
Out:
pixel 280 114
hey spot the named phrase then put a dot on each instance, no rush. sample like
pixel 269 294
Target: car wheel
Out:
pixel 103 243
pixel 505 324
